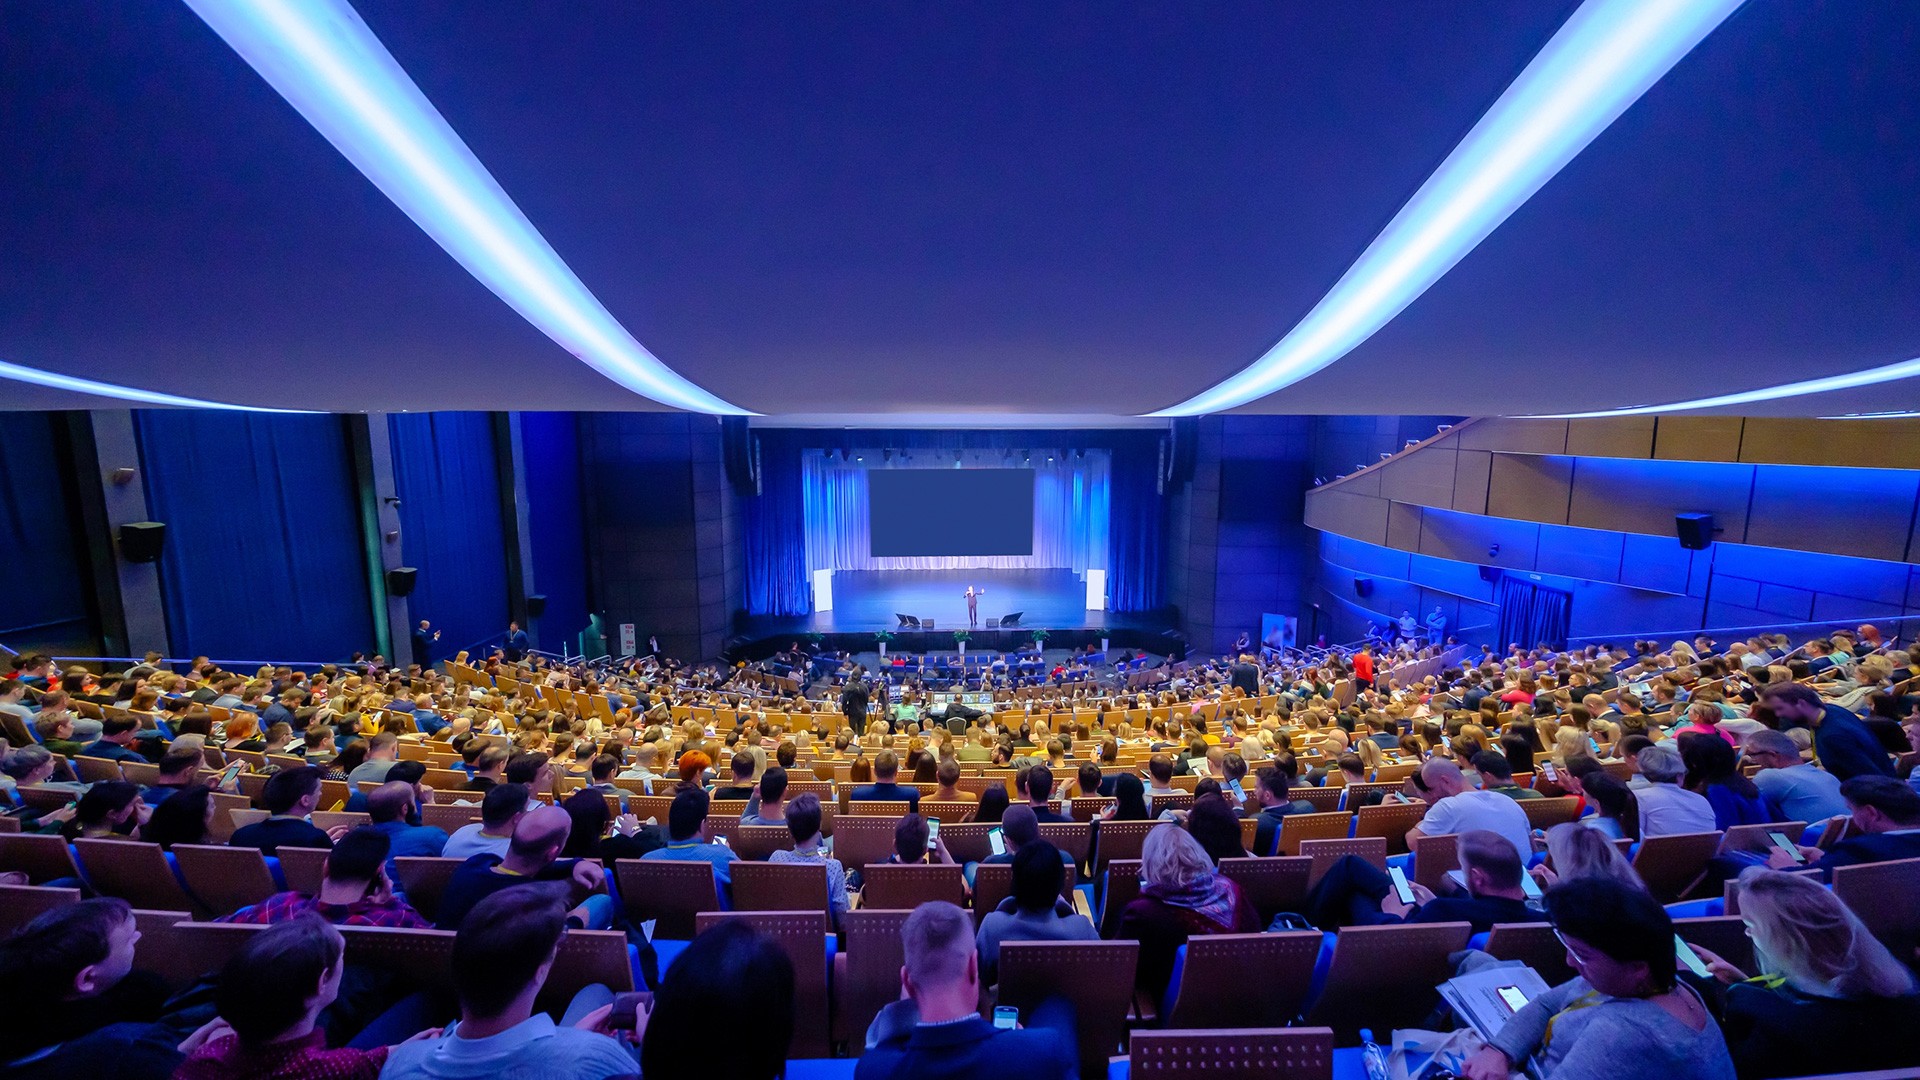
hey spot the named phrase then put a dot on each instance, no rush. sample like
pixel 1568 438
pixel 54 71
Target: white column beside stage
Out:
pixel 1096 589
pixel 822 590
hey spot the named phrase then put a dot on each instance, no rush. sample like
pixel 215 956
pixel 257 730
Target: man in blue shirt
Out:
pixel 687 840
pixel 116 740
pixel 424 718
pixel 390 805
pixel 1842 743
pixel 886 767
pixel 517 644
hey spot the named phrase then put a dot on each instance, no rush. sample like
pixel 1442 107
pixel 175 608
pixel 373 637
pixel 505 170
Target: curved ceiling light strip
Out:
pixel 1905 369
pixel 323 59
pixel 1606 55
pixel 55 381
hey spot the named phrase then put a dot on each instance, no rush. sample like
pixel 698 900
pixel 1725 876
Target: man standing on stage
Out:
pixel 973 605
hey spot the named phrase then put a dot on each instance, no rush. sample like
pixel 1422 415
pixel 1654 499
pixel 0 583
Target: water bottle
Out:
pixel 1373 1056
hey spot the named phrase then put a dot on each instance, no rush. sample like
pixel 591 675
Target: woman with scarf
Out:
pixel 1181 895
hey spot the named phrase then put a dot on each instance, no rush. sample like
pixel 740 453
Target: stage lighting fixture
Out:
pixel 323 59
pixel 859 457
pixel 1905 369
pixel 1607 54
pixel 55 381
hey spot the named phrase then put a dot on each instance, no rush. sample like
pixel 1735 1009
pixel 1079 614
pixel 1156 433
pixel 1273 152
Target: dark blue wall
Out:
pixel 45 604
pixel 550 449
pixel 447 473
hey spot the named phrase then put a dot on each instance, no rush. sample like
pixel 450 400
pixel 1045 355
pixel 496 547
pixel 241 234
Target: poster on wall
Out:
pixel 1278 632
pixel 626 639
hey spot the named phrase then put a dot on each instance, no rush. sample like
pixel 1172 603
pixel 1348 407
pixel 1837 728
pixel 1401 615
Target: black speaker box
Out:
pixel 1363 586
pixel 400 580
pixel 141 541
pixel 1695 530
pixel 536 606
pixel 1489 573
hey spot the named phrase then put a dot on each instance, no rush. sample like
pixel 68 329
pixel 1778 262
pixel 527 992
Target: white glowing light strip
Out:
pixel 323 59
pixel 56 381
pixel 1873 416
pixel 1905 369
pixel 1607 55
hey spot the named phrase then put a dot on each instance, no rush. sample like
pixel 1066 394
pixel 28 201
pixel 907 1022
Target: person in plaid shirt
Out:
pixel 355 891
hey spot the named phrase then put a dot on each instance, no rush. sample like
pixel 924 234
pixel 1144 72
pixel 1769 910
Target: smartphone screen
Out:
pixel 1400 886
pixel 1514 999
pixel 933 833
pixel 1529 886
pixel 232 773
pixel 1550 772
pixel 1780 841
pixel 722 841
pixel 1006 1017
pixel 623 803
pixel 1688 958
pixel 625 1007
pixel 997 841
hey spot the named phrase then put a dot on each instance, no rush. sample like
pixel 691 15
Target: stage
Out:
pixel 868 601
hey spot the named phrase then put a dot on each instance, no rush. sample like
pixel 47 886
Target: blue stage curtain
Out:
pixel 1532 615
pixel 776 537
pixel 1135 574
pixel 1071 502
pixel 550 448
pixel 264 558
pixel 447 474
pixel 46 600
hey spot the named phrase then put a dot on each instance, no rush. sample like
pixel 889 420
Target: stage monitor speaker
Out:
pixel 400 580
pixel 141 541
pixel 1363 586
pixel 1011 620
pixel 536 606
pixel 1696 530
pixel 1489 573
pixel 926 624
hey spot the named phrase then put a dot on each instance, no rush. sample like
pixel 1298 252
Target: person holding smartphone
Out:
pixel 1355 893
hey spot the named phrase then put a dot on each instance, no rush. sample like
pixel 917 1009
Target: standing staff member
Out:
pixel 423 640
pixel 517 645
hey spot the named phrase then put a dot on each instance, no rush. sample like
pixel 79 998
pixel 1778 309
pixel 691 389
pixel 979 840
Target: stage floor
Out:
pixel 865 601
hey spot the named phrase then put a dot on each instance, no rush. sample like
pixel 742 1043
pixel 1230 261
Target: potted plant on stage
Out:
pixel 884 636
pixel 1040 641
pixel 960 638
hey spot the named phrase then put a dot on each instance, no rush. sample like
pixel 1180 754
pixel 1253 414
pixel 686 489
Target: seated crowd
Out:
pixel 1673 743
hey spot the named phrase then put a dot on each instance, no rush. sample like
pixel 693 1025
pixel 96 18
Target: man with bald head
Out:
pixel 393 808
pixel 1454 808
pixel 532 855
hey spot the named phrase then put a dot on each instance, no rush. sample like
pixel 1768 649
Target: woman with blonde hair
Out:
pixel 1831 998
pixel 1181 894
pixel 1576 851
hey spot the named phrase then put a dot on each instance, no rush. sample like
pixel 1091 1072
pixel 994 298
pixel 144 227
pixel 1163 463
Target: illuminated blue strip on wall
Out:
pixel 329 66
pixel 1599 63
pixel 56 381
pixel 1905 369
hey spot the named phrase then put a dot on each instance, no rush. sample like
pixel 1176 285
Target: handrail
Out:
pixel 1422 444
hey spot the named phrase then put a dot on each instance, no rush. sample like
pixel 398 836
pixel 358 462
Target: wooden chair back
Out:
pixel 1546 813
pixel 993 882
pixel 1722 934
pixel 1673 866
pixel 1220 969
pixel 1160 804
pixel 765 886
pixel 887 808
pixel 1272 884
pixel 1389 821
pixel 135 872
pixel 1073 837
pixel 1534 945
pixel 1295 828
pixel 675 893
pixel 1324 800
pixel 42 857
pixel 1119 840
pixel 866 970
pixel 423 879
pixel 950 812
pixel 1383 977
pixel 303 869
pixel 224 879
pixel 92 770
pixel 860 840
pixel 1096 976
pixel 800 934
pixel 1754 837
pixel 1271 1053
pixel 1324 853
pixel 21 904
pixel 967 843
pixel 449 817
pixel 1122 887
pixel 908 885
pixel 1433 856
pixel 759 842
pixel 352 819
pixel 1886 896
pixel 164 950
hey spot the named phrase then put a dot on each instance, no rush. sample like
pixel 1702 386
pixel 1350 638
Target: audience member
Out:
pixel 1355 892
pixel 183 818
pixel 533 857
pixel 500 809
pixel 290 797
pixel 1576 851
pixel 1496 775
pixel 687 839
pixel 1886 814
pixel 391 806
pixel 886 767
pixel 1666 808
pixel 1799 790
pixel 71 1005
pixel 1181 894
pixel 1034 911
pixel 728 971
pixel 1713 770
pixel 1270 790
pixel 355 890
pixel 1455 808
pixel 1845 746
pixel 803 821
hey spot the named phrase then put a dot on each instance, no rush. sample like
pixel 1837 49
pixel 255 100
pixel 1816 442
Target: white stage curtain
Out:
pixel 1071 498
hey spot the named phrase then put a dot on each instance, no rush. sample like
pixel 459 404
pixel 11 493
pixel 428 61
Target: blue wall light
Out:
pixel 56 381
pixel 1905 369
pixel 1599 63
pixel 324 60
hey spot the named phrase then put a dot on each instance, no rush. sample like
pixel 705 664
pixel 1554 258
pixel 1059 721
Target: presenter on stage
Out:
pixel 973 605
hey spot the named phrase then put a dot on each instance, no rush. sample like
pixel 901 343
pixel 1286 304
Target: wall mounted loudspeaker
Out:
pixel 1695 530
pixel 1363 586
pixel 536 606
pixel 140 541
pixel 400 580
pixel 1489 573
